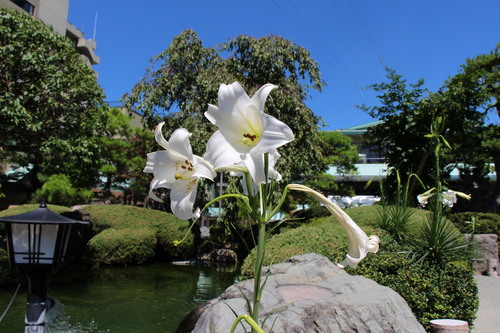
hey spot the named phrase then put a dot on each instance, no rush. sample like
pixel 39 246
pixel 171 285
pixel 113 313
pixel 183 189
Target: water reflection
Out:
pixel 151 298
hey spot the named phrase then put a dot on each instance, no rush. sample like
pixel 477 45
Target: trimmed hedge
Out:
pixel 487 223
pixel 323 236
pixel 133 235
pixel 123 246
pixel 430 292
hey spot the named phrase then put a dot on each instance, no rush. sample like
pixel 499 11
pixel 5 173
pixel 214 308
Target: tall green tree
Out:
pixel 464 100
pixel 475 92
pixel 50 103
pixel 185 78
pixel 123 152
pixel 341 153
pixel 403 108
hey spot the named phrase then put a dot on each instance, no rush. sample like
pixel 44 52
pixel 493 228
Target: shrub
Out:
pixel 123 246
pixel 430 291
pixel 486 223
pixel 165 227
pixel 58 190
pixel 325 237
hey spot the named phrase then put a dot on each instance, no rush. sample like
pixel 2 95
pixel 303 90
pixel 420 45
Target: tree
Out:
pixel 341 153
pixel 186 76
pixel 475 91
pixel 50 103
pixel 464 100
pixel 124 150
pixel 406 120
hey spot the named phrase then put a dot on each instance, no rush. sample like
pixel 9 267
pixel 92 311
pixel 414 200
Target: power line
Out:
pixel 366 31
pixel 339 36
pixel 356 40
pixel 356 91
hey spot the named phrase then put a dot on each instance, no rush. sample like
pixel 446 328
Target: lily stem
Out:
pixel 257 292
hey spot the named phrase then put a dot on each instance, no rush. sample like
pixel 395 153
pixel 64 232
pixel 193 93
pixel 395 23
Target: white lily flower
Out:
pixel 449 198
pixel 423 199
pixel 245 131
pixel 260 176
pixel 359 243
pixel 177 169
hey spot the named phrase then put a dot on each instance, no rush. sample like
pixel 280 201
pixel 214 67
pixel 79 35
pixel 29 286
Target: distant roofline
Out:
pixel 363 126
pixel 358 129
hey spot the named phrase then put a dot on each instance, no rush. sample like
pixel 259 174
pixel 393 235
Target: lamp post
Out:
pixel 37 243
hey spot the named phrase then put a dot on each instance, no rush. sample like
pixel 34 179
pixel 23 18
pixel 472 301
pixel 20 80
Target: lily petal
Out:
pixel 359 243
pixel 203 168
pixel 162 166
pixel 259 98
pixel 180 148
pixel 159 136
pixel 276 134
pixel 221 153
pixel 182 198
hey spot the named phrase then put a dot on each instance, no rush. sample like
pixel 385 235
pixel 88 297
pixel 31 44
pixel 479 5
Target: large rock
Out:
pixel 308 293
pixel 487 248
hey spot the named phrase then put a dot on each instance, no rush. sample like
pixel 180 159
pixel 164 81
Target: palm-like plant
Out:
pixel 394 212
pixel 440 241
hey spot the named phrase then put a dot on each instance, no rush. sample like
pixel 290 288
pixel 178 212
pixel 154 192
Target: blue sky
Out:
pixel 352 40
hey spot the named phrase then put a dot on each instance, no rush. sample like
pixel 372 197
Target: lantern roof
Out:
pixel 41 215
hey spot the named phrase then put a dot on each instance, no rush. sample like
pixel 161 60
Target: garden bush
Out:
pixel 486 223
pixel 116 221
pixel 123 246
pixel 430 292
pixel 324 236
pixel 58 190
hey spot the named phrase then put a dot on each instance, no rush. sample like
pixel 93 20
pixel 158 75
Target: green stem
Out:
pixel 257 292
pixel 255 327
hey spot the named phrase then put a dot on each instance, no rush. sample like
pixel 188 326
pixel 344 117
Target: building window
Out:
pixel 25 5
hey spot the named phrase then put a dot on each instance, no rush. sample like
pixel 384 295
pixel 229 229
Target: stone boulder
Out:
pixel 308 293
pixel 487 249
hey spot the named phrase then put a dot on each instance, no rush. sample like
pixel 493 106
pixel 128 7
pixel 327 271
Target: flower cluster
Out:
pixel 246 142
pixel 448 198
pixel 245 134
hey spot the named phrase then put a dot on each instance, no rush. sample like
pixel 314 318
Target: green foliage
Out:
pixel 440 242
pixel 465 100
pixel 6 274
pixel 325 237
pixel 123 153
pixel 148 233
pixel 187 75
pixel 58 190
pixel 395 213
pixel 486 223
pixel 341 153
pixel 123 246
pixel 402 111
pixel 431 292
pixel 50 102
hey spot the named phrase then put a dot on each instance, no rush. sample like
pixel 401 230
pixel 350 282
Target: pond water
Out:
pixel 152 298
